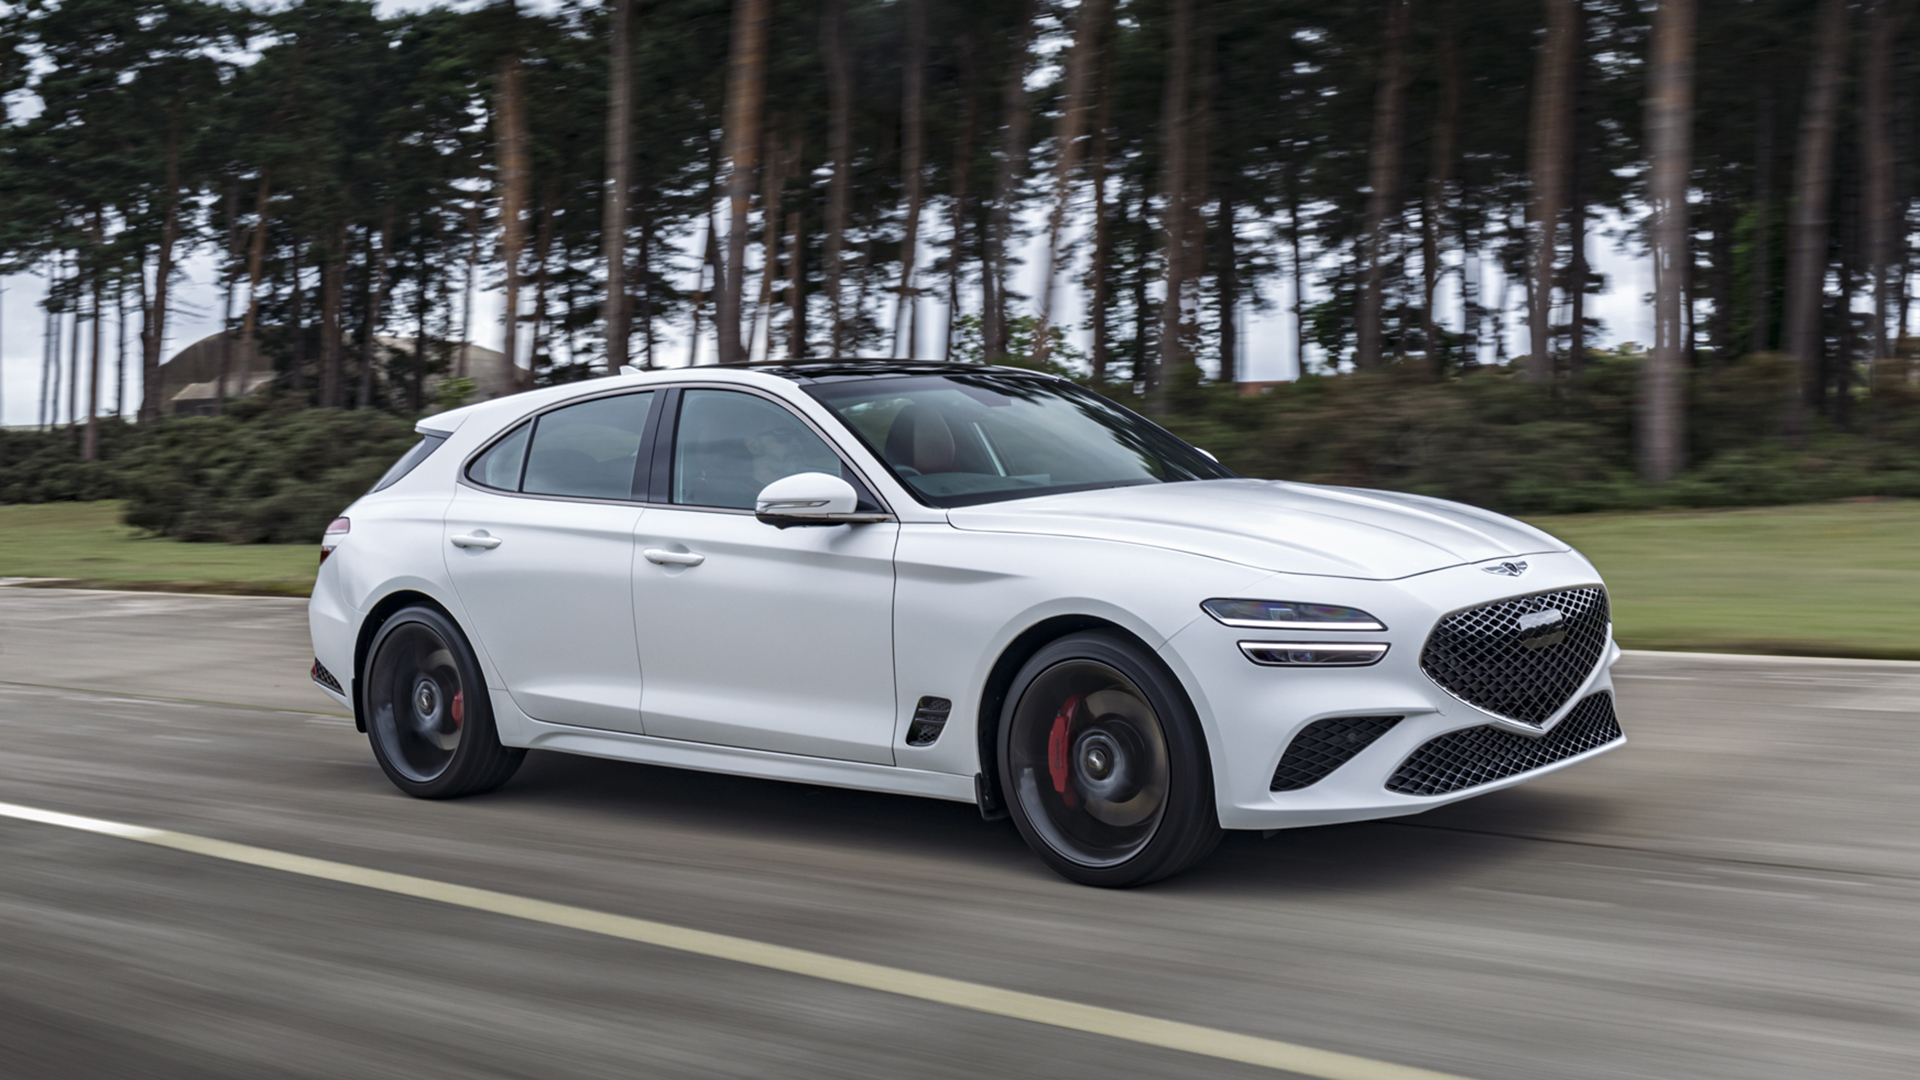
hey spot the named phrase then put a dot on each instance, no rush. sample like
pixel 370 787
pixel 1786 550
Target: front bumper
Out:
pixel 1252 713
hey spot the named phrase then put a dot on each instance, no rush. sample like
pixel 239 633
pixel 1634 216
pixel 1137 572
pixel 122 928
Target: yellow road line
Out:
pixel 1033 1008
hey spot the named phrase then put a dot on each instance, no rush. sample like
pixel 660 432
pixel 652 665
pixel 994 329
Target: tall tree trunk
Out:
pixel 1662 411
pixel 613 212
pixel 913 168
pixel 1101 269
pixel 1176 115
pixel 1012 169
pixel 90 444
pixel 467 290
pixel 759 343
pixel 796 287
pixel 333 280
pixel 1433 215
pixel 376 306
pixel 120 352
pixel 73 352
pixel 1812 213
pixel 962 173
pixel 709 260
pixel 1088 29
pixel 1299 274
pixel 1227 278
pixel 646 281
pixel 1577 271
pixel 537 339
pixel 1548 154
pixel 296 328
pixel 226 300
pixel 155 336
pixel 746 90
pixel 1383 181
pixel 1760 303
pixel 1885 20
pixel 833 42
pixel 514 179
pixel 256 260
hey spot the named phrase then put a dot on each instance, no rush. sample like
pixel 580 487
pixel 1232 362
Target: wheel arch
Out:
pixel 993 695
pixel 377 616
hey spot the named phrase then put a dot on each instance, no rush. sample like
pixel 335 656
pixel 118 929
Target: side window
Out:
pixel 729 445
pixel 500 466
pixel 588 450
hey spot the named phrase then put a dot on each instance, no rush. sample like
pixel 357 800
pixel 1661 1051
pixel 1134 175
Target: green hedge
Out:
pixel 260 474
pixel 1492 439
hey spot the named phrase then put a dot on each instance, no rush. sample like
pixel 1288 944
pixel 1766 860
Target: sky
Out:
pixel 1267 336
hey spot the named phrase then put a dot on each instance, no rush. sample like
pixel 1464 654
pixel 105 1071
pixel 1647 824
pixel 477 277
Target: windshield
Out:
pixel 959 440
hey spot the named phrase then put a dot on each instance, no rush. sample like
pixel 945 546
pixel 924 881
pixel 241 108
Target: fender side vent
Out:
pixel 929 719
pixel 324 677
pixel 1324 746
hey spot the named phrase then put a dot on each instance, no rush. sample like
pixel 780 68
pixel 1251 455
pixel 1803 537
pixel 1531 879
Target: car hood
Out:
pixel 1274 525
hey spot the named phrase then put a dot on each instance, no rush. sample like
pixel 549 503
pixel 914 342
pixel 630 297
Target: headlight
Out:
pixel 1289 615
pixel 1312 654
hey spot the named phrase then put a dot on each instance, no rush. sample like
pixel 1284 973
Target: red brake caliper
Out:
pixel 459 708
pixel 1059 743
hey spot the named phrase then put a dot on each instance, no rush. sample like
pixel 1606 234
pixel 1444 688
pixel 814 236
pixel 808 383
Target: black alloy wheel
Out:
pixel 428 716
pixel 1103 763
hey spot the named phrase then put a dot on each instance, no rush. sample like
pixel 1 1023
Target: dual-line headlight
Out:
pixel 1294 615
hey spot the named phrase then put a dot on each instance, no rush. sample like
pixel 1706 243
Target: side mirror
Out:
pixel 808 498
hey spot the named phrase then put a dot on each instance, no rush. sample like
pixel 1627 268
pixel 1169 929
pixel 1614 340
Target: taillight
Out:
pixel 336 529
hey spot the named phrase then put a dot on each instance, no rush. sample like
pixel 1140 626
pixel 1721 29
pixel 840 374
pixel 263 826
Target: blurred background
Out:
pixel 1550 258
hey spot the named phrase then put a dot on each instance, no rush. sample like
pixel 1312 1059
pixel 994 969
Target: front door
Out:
pixel 752 636
pixel 539 545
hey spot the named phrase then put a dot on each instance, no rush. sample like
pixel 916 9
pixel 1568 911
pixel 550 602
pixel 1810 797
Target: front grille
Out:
pixel 1324 746
pixel 1480 755
pixel 1498 658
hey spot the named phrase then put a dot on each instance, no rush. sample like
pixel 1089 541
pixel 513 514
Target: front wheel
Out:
pixel 1103 764
pixel 428 716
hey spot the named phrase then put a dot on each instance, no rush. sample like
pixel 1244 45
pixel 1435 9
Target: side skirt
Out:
pixel 518 729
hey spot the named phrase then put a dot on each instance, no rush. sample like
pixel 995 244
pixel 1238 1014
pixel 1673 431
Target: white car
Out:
pixel 968 583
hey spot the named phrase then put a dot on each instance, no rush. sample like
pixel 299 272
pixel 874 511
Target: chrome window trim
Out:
pixel 529 418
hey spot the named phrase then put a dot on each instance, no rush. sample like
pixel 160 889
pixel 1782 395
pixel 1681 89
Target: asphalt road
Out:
pixel 1732 895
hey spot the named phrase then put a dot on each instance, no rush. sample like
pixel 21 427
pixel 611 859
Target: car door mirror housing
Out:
pixel 810 498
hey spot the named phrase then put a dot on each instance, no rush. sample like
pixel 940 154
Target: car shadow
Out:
pixel 1459 840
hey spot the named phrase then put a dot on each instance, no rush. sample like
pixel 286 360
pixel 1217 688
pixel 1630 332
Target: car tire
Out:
pixel 428 715
pixel 1103 764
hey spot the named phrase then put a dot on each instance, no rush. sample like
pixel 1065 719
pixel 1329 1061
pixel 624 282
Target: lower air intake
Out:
pixel 324 677
pixel 1480 755
pixel 1324 746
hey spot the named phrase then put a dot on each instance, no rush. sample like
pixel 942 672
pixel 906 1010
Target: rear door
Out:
pixel 754 636
pixel 539 544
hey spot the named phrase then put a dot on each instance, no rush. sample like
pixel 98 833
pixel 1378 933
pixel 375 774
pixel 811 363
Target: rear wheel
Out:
pixel 428 716
pixel 1104 766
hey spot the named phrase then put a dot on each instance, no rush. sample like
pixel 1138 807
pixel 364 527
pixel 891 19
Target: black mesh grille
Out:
pixel 1324 746
pixel 324 677
pixel 1481 755
pixel 1513 660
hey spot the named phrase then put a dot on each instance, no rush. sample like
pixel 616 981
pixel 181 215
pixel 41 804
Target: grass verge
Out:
pixel 84 545
pixel 1827 579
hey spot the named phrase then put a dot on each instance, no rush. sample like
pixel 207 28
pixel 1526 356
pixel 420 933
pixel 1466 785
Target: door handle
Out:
pixel 478 539
pixel 673 558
